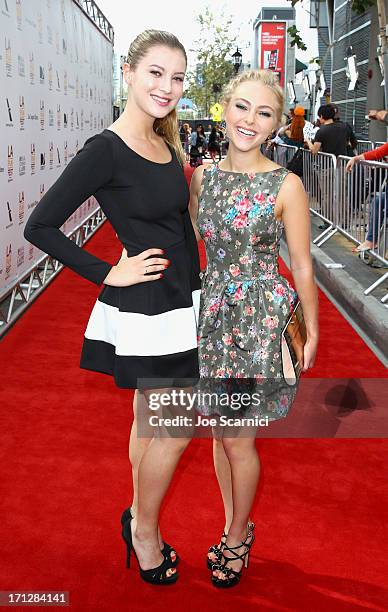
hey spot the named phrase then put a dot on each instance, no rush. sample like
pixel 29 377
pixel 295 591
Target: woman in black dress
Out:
pixel 143 324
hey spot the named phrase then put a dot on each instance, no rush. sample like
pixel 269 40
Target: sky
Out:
pixel 129 19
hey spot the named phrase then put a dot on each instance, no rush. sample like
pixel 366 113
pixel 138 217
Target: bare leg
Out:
pixel 155 473
pixel 224 477
pixel 245 471
pixel 137 446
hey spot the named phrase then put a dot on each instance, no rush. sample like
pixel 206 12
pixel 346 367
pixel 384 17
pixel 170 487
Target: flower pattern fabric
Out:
pixel 245 302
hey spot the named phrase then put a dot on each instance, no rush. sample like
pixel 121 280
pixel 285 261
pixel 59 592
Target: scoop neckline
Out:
pixel 249 173
pixel 138 154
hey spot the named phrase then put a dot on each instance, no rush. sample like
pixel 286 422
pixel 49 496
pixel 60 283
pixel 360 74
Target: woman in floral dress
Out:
pixel 240 208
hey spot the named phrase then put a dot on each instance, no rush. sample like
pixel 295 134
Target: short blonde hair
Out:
pixel 265 77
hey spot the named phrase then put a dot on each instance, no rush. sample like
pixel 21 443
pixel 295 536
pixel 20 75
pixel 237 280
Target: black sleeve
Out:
pixel 318 136
pixel 89 170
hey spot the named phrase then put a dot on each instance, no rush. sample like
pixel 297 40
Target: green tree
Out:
pixel 214 67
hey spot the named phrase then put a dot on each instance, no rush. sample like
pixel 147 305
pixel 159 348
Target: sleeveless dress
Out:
pixel 245 302
pixel 144 333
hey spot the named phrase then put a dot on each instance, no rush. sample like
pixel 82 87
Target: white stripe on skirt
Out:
pixel 135 334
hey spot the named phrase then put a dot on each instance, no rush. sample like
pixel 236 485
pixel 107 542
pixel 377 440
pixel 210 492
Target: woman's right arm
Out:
pixel 195 186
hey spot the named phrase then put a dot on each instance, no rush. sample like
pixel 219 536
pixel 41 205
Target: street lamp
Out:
pixel 237 60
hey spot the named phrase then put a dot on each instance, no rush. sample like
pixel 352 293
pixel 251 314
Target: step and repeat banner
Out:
pixel 56 91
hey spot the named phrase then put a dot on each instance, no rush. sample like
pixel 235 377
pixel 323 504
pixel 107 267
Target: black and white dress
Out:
pixel 147 330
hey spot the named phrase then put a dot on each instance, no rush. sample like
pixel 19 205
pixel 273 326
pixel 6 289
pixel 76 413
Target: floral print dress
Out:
pixel 245 302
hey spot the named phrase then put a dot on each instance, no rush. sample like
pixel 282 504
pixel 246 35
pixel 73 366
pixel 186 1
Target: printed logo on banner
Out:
pixel 58 158
pixel 41 190
pixel 10 163
pixel 19 14
pixel 41 114
pixel 58 116
pixel 30 252
pixel 82 118
pixel 41 75
pixel 82 91
pixel 86 92
pixel 76 86
pixel 5 11
pixel 65 152
pixel 21 207
pixel 40 28
pixel 9 110
pixel 8 58
pixel 22 165
pixel 49 35
pixel 33 158
pixel 10 220
pixel 51 117
pixel 20 257
pixel 57 43
pixel 50 76
pixel 31 67
pixel 76 146
pixel 58 82
pixel 21 66
pixel 65 82
pixel 22 114
pixel 76 120
pixel 71 118
pixel 65 120
pixel 64 47
pixel 42 161
pixel 51 154
pixel 8 261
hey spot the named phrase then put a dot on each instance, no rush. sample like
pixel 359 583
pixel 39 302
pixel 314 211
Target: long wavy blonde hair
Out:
pixel 167 127
pixel 265 77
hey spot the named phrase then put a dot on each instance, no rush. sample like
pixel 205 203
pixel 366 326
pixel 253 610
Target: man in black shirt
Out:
pixel 332 136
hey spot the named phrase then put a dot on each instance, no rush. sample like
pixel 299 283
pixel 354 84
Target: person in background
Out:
pixel 197 146
pixel 379 115
pixel 378 207
pixel 294 131
pixel 332 137
pixel 214 146
pixel 186 140
pixel 351 147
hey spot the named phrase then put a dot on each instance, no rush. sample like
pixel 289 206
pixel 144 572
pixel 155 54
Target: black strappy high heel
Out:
pixel 216 549
pixel 166 551
pixel 156 575
pixel 232 577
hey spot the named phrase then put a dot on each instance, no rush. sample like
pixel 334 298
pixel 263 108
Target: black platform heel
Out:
pixel 156 575
pixel 216 549
pixel 166 551
pixel 232 577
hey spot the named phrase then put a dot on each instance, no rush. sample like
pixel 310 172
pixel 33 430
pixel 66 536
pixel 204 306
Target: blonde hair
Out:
pixel 167 127
pixel 265 77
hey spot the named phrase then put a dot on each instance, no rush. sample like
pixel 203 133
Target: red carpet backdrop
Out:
pixel 321 510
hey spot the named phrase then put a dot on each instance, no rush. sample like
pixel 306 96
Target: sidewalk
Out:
pixel 346 286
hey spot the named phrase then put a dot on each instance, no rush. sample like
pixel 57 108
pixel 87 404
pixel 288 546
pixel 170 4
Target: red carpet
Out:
pixel 320 513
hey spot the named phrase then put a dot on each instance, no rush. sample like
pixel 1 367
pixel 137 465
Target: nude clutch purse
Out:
pixel 294 338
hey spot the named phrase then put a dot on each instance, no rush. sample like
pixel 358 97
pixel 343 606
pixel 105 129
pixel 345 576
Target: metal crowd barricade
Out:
pixel 350 203
pixel 361 196
pixel 364 145
pixel 283 154
pixel 319 174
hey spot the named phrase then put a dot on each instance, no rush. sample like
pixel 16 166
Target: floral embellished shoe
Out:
pixel 214 553
pixel 168 551
pixel 227 576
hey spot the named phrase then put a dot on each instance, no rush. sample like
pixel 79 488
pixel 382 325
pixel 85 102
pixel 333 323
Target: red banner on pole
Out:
pixel 272 48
